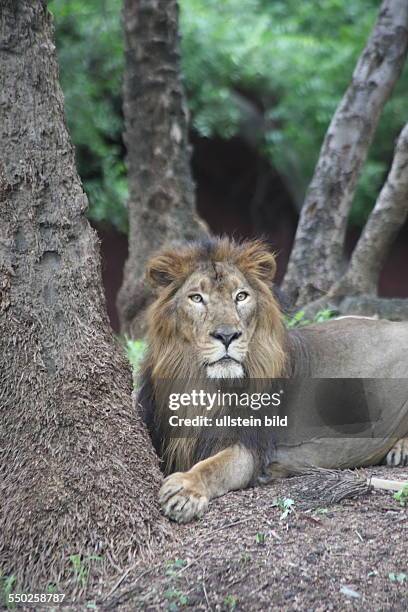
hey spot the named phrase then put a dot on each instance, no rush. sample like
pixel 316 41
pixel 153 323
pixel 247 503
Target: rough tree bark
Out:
pixel 356 291
pixel 162 200
pixel 386 219
pixel 78 473
pixel 316 260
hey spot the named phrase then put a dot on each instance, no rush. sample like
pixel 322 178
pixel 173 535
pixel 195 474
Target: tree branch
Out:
pixel 386 219
pixel 316 258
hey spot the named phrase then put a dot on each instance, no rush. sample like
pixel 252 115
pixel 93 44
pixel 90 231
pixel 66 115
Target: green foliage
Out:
pixel 293 59
pixel 299 318
pixel 90 53
pixel 296 60
pixel 400 577
pixel 135 350
pixel 286 505
pixel 402 496
pixel 324 315
pixel 7 586
pixel 230 602
pixel 176 599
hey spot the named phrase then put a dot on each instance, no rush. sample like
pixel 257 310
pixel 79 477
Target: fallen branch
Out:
pixel 324 486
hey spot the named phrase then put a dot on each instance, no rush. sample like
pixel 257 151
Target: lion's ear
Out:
pixel 164 269
pixel 256 259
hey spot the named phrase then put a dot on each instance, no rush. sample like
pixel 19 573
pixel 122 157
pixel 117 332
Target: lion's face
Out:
pixel 215 314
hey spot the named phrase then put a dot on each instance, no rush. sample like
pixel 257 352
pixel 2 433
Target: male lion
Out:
pixel 215 316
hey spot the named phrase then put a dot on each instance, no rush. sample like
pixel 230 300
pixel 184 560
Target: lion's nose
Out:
pixel 226 335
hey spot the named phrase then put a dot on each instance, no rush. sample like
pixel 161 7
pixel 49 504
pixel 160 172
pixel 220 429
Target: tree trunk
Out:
pixel 317 257
pixel 162 200
pixel 78 473
pixel 385 221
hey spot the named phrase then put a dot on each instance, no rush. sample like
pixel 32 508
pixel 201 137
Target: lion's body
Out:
pixel 216 318
pixel 353 347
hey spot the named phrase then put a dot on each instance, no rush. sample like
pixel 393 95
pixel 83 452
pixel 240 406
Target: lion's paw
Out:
pixel 398 455
pixel 182 498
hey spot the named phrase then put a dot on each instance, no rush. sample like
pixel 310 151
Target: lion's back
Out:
pixel 354 347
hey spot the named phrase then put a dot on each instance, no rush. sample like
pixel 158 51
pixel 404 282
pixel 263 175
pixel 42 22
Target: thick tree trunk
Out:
pixel 382 227
pixel 78 473
pixel 316 259
pixel 162 201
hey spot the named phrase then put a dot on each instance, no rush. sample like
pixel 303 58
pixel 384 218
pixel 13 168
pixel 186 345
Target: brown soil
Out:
pixel 242 556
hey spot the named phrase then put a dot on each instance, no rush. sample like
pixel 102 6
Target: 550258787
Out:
pixel 35 597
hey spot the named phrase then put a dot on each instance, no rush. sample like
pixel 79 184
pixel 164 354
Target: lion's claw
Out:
pixel 398 455
pixel 181 498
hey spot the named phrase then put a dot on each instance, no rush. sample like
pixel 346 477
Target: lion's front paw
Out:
pixel 398 455
pixel 182 498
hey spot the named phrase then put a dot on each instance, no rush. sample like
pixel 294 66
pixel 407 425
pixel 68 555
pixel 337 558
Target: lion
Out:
pixel 215 317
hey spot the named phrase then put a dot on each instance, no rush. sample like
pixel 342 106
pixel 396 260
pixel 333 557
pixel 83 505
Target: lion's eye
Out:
pixel 241 296
pixel 196 298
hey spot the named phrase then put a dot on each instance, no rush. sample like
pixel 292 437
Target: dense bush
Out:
pixel 292 60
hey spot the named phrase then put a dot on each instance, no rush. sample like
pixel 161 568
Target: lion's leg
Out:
pixel 398 455
pixel 185 495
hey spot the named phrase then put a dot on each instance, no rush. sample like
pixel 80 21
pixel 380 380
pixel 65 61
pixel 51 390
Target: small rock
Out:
pixel 349 592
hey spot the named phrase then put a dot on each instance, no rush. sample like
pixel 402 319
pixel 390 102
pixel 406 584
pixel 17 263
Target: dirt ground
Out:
pixel 244 555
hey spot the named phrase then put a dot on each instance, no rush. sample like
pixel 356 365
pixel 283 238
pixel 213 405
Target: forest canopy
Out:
pixel 286 63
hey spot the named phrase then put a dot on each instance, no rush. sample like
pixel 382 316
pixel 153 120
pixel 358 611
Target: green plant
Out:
pixel 401 577
pixel 286 505
pixel 324 315
pixel 176 598
pixel 260 538
pixel 402 496
pixel 7 586
pixel 299 318
pixel 230 602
